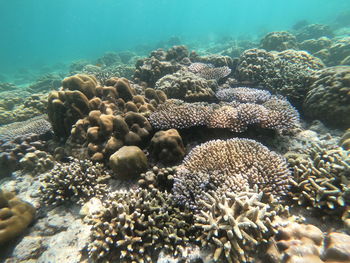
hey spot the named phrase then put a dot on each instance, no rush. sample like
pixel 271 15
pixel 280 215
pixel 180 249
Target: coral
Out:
pixel 313 31
pixel 276 113
pixel 150 69
pixel 46 82
pixel 215 60
pixel 338 52
pixel 35 126
pixel 279 41
pixel 235 225
pixel 187 86
pixel 208 71
pixel 15 216
pixel 315 45
pixel 243 95
pixel 230 165
pixel 37 162
pixel 287 73
pixel 128 162
pixel 76 181
pixel 80 82
pixel 135 225
pixel 296 242
pixel 321 178
pixel 160 178
pixel 167 146
pixel 345 140
pixel 108 59
pixel 329 97
pixel 176 114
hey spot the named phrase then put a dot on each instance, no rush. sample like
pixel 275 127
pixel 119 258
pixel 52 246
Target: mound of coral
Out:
pixel 231 165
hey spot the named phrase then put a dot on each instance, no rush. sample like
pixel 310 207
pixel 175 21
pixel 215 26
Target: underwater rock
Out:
pixel 15 216
pixel 329 97
pixel 279 41
pixel 167 146
pixel 231 165
pixel 128 162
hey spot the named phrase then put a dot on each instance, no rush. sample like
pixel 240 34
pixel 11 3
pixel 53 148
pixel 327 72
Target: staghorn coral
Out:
pixel 243 95
pixel 134 226
pixel 167 146
pixel 187 86
pixel 35 126
pixel 276 113
pixel 329 97
pixel 208 71
pixel 15 216
pixel 279 41
pixel 230 165
pixel 321 178
pixel 76 181
pixel 235 225
pixel 287 73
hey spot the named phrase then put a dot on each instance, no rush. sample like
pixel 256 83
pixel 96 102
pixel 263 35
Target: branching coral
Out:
pixel 243 95
pixel 235 225
pixel 321 178
pixel 134 226
pixel 78 181
pixel 208 71
pixel 230 165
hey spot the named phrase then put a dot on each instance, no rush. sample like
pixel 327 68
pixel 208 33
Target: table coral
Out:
pixel 230 165
pixel 15 216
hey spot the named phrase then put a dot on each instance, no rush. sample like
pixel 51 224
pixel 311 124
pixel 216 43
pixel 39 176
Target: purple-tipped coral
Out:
pixel 231 165
pixel 208 71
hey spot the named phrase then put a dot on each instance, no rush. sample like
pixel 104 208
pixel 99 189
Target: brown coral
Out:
pixel 15 216
pixel 279 41
pixel 230 165
pixel 345 140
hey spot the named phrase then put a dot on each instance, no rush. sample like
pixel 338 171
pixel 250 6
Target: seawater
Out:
pixel 41 35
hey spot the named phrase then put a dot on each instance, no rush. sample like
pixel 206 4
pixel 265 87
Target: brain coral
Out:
pixel 187 86
pixel 329 97
pixel 230 165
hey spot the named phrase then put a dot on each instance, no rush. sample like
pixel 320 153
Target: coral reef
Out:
pixel 208 71
pixel 167 146
pixel 275 113
pixel 243 95
pixel 279 41
pixel 345 140
pixel 306 243
pixel 37 162
pixel 313 31
pixel 230 165
pixel 76 181
pixel 321 178
pixel 15 216
pixel 235 225
pixel 46 83
pixel 128 162
pixel 187 86
pixel 160 178
pixel 134 226
pixel 315 45
pixel 329 97
pixel 287 73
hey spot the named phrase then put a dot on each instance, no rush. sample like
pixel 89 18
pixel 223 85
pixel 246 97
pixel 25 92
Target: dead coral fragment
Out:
pixel 15 216
pixel 235 225
pixel 135 225
pixel 78 180
pixel 231 165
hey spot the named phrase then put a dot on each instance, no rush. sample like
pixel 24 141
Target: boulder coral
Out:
pixel 279 41
pixel 15 216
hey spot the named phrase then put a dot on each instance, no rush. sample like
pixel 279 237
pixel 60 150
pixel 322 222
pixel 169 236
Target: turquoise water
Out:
pixel 38 34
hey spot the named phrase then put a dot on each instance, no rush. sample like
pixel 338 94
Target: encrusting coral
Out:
pixel 321 178
pixel 15 216
pixel 235 225
pixel 134 226
pixel 77 181
pixel 231 165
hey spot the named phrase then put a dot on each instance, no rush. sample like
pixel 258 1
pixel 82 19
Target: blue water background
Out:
pixel 38 33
